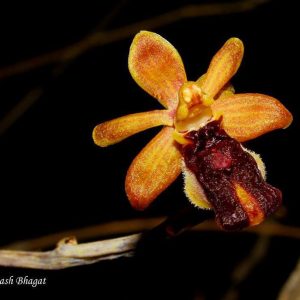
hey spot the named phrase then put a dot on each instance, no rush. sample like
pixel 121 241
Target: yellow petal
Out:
pixel 226 90
pixel 223 66
pixel 201 80
pixel 247 116
pixel 153 169
pixel 116 130
pixel 157 67
pixel 250 205
pixel 193 190
pixel 179 138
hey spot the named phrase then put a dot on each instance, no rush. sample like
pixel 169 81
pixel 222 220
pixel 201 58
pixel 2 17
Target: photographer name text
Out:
pixel 23 280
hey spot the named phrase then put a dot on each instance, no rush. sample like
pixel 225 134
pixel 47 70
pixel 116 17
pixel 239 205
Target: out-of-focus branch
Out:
pixel 68 253
pixel 20 108
pixel 123 227
pixel 246 266
pixel 114 228
pixel 35 93
pixel 291 289
pixel 62 57
pixel 101 38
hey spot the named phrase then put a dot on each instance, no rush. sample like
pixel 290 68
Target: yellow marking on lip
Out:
pixel 250 205
pixel 179 138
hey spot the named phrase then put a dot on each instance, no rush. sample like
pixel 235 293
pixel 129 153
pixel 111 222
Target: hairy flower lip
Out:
pixel 217 160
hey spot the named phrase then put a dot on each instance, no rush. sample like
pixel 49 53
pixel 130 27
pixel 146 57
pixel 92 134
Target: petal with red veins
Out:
pixel 153 169
pixel 247 116
pixel 223 66
pixel 116 130
pixel 157 67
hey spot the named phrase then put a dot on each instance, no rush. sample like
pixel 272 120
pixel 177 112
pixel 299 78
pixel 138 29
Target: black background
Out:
pixel 54 178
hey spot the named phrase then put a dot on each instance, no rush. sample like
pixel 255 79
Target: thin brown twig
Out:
pixel 246 266
pixel 35 93
pixel 101 38
pixel 291 289
pixel 123 227
pixel 20 108
pixel 109 229
pixel 69 254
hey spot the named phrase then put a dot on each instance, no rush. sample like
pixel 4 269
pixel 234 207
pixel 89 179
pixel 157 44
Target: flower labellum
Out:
pixel 233 185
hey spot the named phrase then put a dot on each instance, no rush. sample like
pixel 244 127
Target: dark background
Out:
pixel 54 178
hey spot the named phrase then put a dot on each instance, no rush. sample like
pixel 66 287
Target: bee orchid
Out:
pixel 204 123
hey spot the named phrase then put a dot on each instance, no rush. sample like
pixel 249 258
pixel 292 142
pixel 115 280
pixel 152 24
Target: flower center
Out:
pixel 193 111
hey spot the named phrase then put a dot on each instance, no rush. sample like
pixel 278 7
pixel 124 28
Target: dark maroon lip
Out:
pixel 220 163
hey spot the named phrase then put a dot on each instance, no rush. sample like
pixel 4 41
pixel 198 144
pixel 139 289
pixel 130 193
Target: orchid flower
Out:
pixel 200 119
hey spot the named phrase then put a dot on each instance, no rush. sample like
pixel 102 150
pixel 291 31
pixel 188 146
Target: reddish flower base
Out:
pixel 230 178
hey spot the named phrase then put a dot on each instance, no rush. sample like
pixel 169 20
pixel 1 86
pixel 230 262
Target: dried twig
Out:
pixel 20 108
pixel 291 289
pixel 101 231
pixel 70 254
pixel 35 93
pixel 246 266
pixel 123 227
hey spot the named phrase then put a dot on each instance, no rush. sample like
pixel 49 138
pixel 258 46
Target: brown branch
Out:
pixel 124 227
pixel 69 254
pixel 246 266
pixel 19 109
pixel 101 38
pixel 101 231
pixel 291 289
pixel 35 93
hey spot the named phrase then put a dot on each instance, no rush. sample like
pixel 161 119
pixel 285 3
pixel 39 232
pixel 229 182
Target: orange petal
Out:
pixel 226 90
pixel 157 67
pixel 247 116
pixel 116 130
pixel 223 66
pixel 153 169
